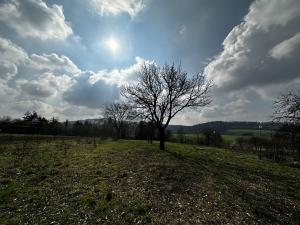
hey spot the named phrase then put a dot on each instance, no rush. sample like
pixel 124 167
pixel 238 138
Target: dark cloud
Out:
pixel 89 94
pixel 37 90
pixel 33 18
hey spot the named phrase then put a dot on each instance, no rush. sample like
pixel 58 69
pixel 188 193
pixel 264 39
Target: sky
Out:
pixel 68 59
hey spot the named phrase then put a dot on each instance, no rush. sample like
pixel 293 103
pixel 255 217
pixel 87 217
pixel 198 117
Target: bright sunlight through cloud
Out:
pixel 112 44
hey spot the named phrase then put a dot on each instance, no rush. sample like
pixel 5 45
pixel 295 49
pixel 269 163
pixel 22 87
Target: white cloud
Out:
pixel 11 52
pixel 53 85
pixel 7 97
pixel 19 107
pixel 94 89
pixel 120 76
pixel 11 56
pixel 266 13
pixel 33 18
pixel 44 86
pixel 37 89
pixel 252 49
pixel 8 70
pixel 115 7
pixel 54 62
pixel 286 48
pixel 259 60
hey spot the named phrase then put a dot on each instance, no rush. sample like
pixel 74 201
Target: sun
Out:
pixel 112 44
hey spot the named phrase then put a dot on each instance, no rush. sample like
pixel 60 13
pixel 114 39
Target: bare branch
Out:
pixel 119 113
pixel 161 93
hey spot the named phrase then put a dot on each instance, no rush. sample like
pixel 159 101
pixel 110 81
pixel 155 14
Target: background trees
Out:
pixel 212 138
pixel 162 92
pixel 119 113
pixel 287 111
pixel 144 131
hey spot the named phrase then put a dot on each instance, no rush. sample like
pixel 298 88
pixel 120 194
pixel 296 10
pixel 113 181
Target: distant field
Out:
pixel 82 181
pixel 232 134
pixel 192 138
pixel 230 138
pixel 241 132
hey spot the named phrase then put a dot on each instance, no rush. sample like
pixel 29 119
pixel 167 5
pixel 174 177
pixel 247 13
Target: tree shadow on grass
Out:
pixel 254 190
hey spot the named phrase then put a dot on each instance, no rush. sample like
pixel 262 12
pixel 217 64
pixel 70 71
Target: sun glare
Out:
pixel 112 44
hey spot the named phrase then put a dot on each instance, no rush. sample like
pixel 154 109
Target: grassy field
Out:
pixel 230 138
pixel 231 135
pixel 246 132
pixel 79 181
pixel 192 138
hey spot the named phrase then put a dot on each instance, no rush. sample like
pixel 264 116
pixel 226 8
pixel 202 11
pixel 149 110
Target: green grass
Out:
pixel 233 134
pixel 192 138
pixel 72 181
pixel 230 138
pixel 241 132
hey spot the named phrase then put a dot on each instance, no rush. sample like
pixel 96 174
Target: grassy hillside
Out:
pixel 77 181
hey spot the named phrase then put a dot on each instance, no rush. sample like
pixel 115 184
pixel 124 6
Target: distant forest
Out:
pixel 33 123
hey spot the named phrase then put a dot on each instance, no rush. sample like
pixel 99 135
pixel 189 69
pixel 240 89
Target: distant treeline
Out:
pixel 33 123
pixel 283 141
pixel 224 127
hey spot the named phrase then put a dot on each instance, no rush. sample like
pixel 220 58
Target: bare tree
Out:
pixel 118 113
pixel 287 110
pixel 162 92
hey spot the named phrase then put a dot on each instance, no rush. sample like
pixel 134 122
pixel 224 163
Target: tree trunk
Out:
pixel 152 133
pixel 118 133
pixel 162 139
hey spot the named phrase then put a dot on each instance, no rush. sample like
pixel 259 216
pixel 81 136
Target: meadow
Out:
pixel 229 137
pixel 64 180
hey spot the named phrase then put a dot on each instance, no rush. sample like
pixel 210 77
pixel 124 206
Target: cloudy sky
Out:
pixel 68 58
